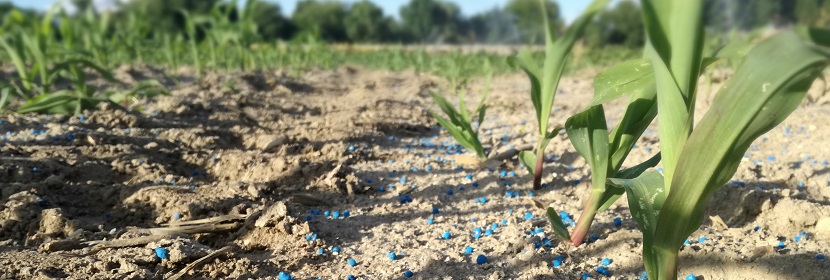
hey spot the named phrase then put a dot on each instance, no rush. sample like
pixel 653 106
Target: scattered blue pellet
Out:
pixel 352 263
pixel 327 213
pixel 757 228
pixel 335 214
pixel 702 239
pixel 691 277
pixel 481 259
pixel 393 256
pixel 162 253
pixel 469 176
pixel 177 216
pixel 83 118
pixel 446 235
pixel 351 277
pixel 408 274
pixel 468 250
pixel 346 213
pixel 284 276
pixel 435 210
pixel 586 276
pixel 781 244
pixel 488 232
pixel 405 199
pixel 557 262
pixel 617 222
pixel 335 249
pixel 820 256
pixel 528 215
pixel 687 242
pixel 547 242
pixel 450 192
pixel 504 222
pixel 606 261
pixel 604 271
pixel 644 276
pixel 475 184
pixel 321 251
pixel 351 149
pixel 430 221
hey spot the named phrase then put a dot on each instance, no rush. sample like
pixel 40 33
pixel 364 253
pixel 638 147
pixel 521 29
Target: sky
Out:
pixel 570 8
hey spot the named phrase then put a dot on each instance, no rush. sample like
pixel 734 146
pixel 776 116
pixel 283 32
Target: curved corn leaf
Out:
pixel 765 89
pixel 61 102
pixel 558 226
pixel 588 133
pixel 612 194
pixel 4 98
pixel 818 36
pixel 458 126
pixel 628 78
pixel 646 195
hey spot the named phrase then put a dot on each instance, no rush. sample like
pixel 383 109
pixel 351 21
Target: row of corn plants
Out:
pixel 770 80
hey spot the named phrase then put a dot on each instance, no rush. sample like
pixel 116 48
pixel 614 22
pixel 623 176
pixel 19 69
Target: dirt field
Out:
pixel 88 197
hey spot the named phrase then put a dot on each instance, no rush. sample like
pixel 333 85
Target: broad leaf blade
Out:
pixel 588 133
pixel 646 196
pixel 62 102
pixel 628 78
pixel 612 194
pixel 765 89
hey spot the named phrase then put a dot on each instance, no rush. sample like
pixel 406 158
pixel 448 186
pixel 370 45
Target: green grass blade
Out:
pixel 767 87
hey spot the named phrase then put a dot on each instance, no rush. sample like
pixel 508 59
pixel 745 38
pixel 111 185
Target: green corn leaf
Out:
pixel 558 226
pixel 588 133
pixel 646 195
pixel 462 105
pixel 635 171
pixel 639 113
pixel 528 159
pixel 818 36
pixel 61 102
pixel 16 55
pixel 612 194
pixel 525 61
pixel 556 54
pixel 765 89
pixel 675 44
pixel 5 96
pixel 628 78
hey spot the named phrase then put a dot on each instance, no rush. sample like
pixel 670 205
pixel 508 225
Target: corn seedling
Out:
pixel 544 82
pixel 767 87
pixel 459 123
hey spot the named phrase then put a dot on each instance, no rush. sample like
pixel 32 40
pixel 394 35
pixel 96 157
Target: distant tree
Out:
pixel 751 14
pixel 495 26
pixel 621 25
pixel 166 15
pixel 813 12
pixel 271 24
pixel 431 20
pixel 322 18
pixel 365 22
pixel 528 16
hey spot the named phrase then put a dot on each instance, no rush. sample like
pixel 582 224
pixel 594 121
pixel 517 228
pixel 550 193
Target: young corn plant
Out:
pixel 459 123
pixel 767 87
pixel 545 80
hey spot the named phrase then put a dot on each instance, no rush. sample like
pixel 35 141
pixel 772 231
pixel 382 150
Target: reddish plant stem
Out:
pixel 537 172
pixel 585 220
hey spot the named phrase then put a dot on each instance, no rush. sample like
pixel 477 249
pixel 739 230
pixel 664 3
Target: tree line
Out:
pixel 441 21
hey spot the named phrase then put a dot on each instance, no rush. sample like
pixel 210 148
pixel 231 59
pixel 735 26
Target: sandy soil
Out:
pixel 273 154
